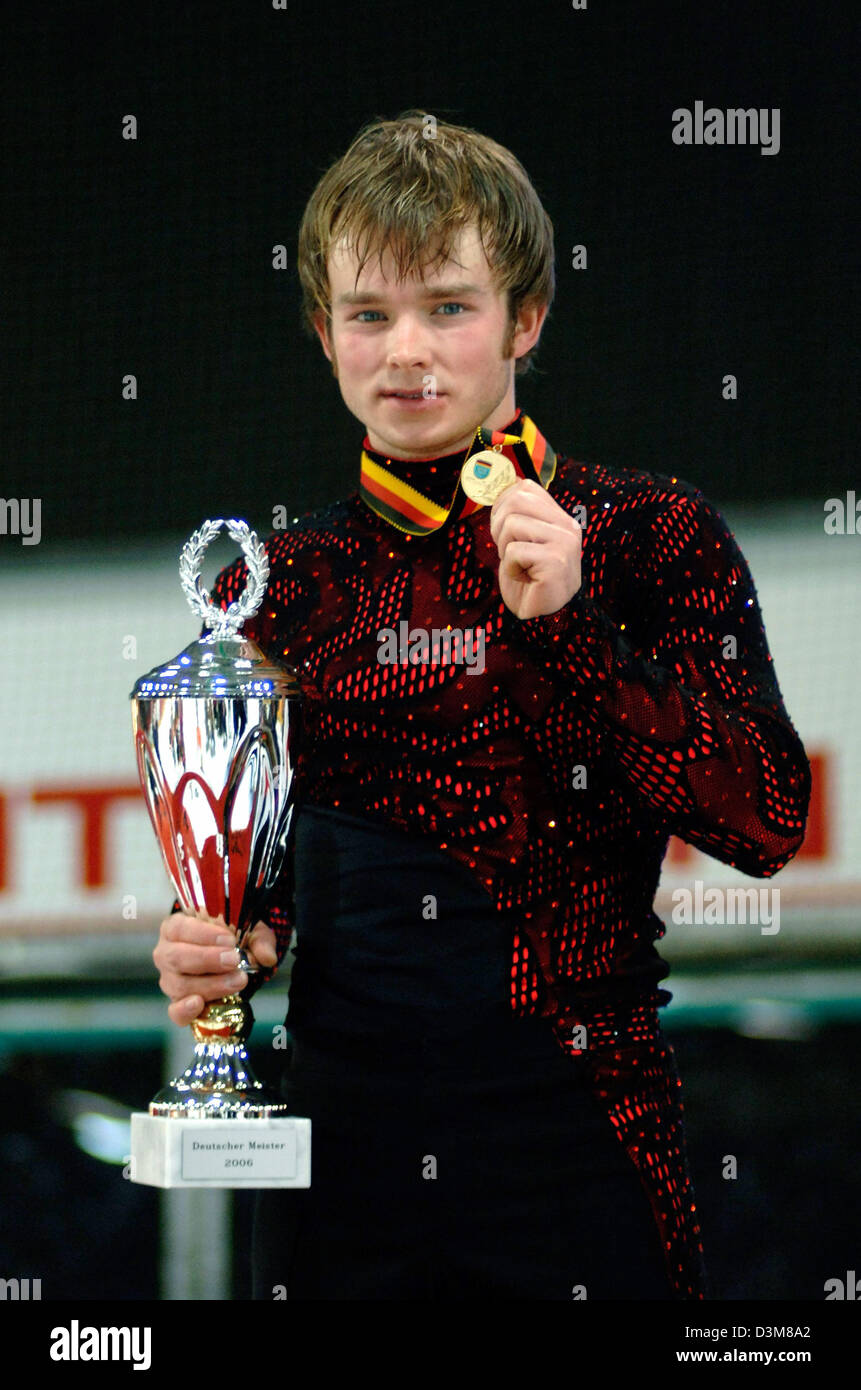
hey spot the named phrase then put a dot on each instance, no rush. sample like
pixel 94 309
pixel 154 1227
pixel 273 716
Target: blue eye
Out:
pixel 360 317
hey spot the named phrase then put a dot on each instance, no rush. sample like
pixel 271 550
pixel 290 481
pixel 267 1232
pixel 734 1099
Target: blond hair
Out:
pixel 411 185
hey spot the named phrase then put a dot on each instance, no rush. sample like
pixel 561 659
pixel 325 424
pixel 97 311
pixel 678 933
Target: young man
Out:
pixel 478 838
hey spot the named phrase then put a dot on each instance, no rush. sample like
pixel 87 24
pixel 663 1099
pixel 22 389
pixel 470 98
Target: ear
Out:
pixel 527 330
pixel 321 326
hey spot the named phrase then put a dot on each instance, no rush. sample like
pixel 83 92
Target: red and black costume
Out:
pixel 556 775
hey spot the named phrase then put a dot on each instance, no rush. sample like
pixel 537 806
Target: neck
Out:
pixel 500 420
pixel 419 495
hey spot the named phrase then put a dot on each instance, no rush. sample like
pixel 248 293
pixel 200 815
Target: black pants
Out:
pixel 477 1166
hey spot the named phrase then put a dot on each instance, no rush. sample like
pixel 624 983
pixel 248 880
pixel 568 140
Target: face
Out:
pixel 423 363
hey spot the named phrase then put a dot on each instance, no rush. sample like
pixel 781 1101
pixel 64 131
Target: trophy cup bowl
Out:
pixel 215 732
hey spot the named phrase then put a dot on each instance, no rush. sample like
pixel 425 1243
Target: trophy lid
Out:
pixel 224 664
pixel 219 668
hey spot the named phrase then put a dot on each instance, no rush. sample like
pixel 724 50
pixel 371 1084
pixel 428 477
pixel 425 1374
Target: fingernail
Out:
pixel 224 940
pixel 230 957
pixel 234 981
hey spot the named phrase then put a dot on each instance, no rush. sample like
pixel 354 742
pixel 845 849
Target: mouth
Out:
pixel 408 395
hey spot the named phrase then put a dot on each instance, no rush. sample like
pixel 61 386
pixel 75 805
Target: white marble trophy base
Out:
pixel 221 1153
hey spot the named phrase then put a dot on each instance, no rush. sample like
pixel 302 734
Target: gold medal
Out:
pixel 486 475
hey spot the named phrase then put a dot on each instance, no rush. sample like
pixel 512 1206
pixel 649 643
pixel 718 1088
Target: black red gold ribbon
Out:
pixel 405 507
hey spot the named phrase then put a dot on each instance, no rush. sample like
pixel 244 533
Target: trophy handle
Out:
pixel 221 622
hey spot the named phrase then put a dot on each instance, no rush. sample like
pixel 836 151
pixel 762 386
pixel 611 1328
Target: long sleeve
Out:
pixel 685 688
pixel 278 914
pixel 633 679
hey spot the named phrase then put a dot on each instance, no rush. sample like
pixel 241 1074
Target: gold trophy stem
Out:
pixel 220 1083
pixel 225 1020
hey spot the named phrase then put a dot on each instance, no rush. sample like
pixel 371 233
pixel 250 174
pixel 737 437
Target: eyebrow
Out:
pixel 442 292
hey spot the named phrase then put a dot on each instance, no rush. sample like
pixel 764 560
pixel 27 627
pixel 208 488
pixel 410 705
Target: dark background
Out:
pixel 778 1231
pixel 154 256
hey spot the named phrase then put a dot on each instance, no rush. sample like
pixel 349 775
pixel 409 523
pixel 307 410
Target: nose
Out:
pixel 407 346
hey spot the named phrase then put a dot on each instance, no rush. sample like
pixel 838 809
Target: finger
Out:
pixel 180 958
pixel 525 496
pixel 181 927
pixel 544 560
pixel 517 527
pixel 534 503
pixel 182 1011
pixel 263 945
pixel 178 987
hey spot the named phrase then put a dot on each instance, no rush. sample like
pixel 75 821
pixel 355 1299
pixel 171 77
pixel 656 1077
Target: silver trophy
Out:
pixel 215 733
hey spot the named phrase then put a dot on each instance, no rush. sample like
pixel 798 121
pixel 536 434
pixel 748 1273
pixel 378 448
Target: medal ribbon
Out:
pixel 395 500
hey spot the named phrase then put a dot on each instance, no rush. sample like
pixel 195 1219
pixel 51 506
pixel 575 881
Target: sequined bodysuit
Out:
pixel 556 774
